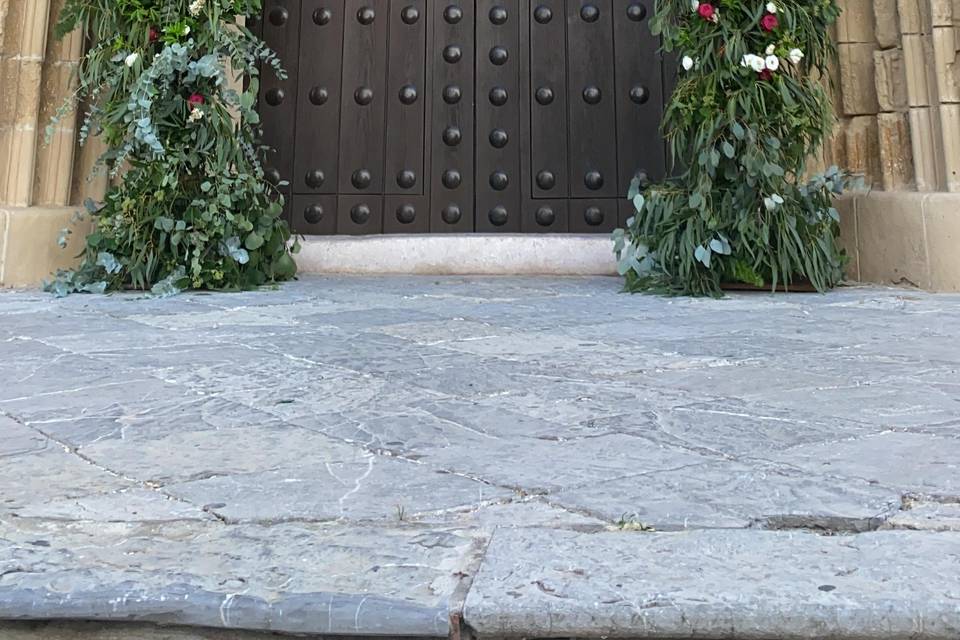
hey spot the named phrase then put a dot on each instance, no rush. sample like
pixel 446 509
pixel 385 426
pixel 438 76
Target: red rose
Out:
pixel 195 100
pixel 154 34
pixel 769 22
pixel 766 74
pixel 706 11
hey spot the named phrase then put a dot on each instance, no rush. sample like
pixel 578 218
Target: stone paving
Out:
pixel 502 456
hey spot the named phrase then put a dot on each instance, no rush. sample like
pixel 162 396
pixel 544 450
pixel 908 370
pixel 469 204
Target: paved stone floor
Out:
pixel 537 457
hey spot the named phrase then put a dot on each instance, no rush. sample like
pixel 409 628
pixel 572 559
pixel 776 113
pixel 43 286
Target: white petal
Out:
pixel 694 4
pixel 771 8
pixel 772 62
pixel 771 49
pixel 131 59
pixel 687 63
pixel 758 64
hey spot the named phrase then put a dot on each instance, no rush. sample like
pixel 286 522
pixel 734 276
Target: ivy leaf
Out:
pixel 254 241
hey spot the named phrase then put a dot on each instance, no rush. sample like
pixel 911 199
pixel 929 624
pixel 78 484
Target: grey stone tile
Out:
pixel 181 456
pixel 915 462
pixel 293 578
pixel 369 487
pixel 553 583
pixel 735 495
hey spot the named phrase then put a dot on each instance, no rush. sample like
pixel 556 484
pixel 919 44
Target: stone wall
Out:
pixel 898 87
pixel 39 179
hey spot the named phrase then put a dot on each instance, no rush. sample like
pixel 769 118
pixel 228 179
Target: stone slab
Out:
pixel 293 578
pixel 717 584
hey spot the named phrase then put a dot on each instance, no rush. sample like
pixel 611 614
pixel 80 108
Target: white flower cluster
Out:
pixel 770 60
pixel 196 115
pixel 196 7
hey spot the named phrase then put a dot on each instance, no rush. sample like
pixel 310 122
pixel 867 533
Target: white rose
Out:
pixel 771 8
pixel 758 64
pixel 745 60
pixel 131 59
pixel 771 49
pixel 687 63
pixel 772 62
pixel 795 56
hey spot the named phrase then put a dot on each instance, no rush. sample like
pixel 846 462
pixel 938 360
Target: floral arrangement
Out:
pixel 748 110
pixel 190 206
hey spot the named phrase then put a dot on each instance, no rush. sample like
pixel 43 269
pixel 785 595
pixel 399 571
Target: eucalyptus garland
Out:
pixel 748 110
pixel 190 206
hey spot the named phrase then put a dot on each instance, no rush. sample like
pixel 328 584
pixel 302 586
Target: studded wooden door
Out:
pixel 431 116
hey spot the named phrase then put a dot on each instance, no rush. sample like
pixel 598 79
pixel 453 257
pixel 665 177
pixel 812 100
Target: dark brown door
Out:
pixel 431 116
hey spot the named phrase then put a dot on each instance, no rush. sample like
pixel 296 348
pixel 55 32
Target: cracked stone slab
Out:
pixel 732 494
pixel 321 579
pixel 366 487
pixel 711 584
pixel 917 462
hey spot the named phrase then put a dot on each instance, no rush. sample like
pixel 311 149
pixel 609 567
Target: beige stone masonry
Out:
pixel 904 238
pixel 20 74
pixel 896 155
pixel 29 252
pixel 891 80
pixel 888 23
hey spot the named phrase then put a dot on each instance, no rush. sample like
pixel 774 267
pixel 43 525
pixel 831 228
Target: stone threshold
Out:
pixel 460 254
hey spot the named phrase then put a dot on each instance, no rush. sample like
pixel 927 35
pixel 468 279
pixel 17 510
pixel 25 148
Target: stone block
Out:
pixel 863 148
pixel 946 64
pixel 846 205
pixel 941 213
pixel 857 83
pixel 914 16
pixel 941 13
pixel 896 158
pixel 916 61
pixel 950 129
pixel 891 245
pixel 28 244
pixel 856 23
pixel 926 143
pixel 890 79
pixel 888 23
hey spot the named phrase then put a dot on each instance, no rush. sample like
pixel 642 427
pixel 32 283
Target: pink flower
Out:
pixel 706 11
pixel 154 34
pixel 769 22
pixel 195 100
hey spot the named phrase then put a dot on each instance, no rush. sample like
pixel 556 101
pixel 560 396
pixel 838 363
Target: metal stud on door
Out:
pixel 497 176
pixel 451 129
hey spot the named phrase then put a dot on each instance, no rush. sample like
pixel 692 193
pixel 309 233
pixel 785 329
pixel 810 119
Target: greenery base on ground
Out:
pixel 190 206
pixel 748 111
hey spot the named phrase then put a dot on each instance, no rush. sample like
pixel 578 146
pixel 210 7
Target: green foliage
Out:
pixel 746 114
pixel 190 206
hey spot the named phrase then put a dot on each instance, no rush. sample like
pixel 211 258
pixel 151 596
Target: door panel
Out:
pixel 406 98
pixel 413 116
pixel 591 96
pixel 498 179
pixel 318 104
pixel 451 128
pixel 363 96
